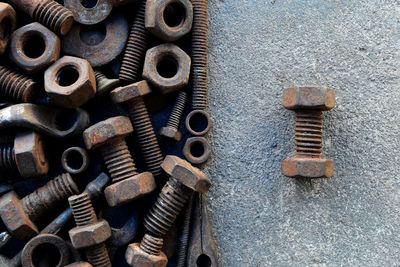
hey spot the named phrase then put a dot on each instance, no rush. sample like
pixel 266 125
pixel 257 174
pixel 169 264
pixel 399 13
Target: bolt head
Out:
pixel 130 189
pixel 135 256
pixel 90 235
pixel 15 219
pixel 126 94
pixel 307 167
pixel 311 97
pixel 107 131
pixel 171 132
pixel 185 173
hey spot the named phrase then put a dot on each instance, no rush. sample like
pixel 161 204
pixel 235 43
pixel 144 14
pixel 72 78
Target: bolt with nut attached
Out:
pixel 308 103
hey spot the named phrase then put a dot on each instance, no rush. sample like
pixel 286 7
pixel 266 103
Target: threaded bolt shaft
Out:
pixel 104 84
pixel 15 86
pixel 49 195
pixel 135 51
pixel 147 139
pixel 169 204
pixel 184 238
pixel 119 161
pixel 151 245
pixel 200 54
pixel 84 214
pixel 7 159
pixel 309 134
pixel 177 111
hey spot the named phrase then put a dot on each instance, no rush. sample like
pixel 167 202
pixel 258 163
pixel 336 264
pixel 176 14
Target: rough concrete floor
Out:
pixel 257 48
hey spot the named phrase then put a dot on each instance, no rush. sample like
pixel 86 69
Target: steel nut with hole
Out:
pixel 198 122
pixel 197 150
pixel 167 67
pixel 89 12
pixel 75 160
pixel 70 82
pixel 34 47
pixel 8 23
pixel 170 19
pixel 15 218
pixel 90 235
pixel 310 98
pixel 135 256
pixel 29 154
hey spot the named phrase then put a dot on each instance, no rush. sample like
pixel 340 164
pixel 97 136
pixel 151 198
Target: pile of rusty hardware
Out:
pixel 103 118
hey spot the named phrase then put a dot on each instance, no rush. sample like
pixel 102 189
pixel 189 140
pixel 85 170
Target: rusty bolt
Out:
pixel 16 87
pixel 19 215
pixel 47 12
pixel 308 103
pixel 169 20
pixel 104 84
pixel 79 264
pixel 130 97
pixel 171 130
pixel 185 179
pixel 89 233
pixel 197 150
pixel 128 184
pixel 70 82
pixel 167 67
pixel 8 23
pixel 34 47
pixel 146 253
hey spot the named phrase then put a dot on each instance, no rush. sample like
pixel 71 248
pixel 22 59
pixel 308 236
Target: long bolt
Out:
pixel 84 215
pixel 16 87
pixel 184 238
pixel 172 128
pixel 47 12
pixel 132 62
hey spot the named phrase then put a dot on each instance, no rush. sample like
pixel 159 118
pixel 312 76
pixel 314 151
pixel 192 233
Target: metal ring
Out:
pixel 89 15
pixel 70 155
pixel 193 120
pixel 190 145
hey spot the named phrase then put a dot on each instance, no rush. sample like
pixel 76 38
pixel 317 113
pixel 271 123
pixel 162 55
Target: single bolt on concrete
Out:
pixel 130 97
pixel 308 103
pixel 132 62
pixel 48 12
pixel 172 128
pixel 15 86
pixel 90 233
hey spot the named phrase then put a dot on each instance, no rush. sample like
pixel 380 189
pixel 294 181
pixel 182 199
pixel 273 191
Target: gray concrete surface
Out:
pixel 257 48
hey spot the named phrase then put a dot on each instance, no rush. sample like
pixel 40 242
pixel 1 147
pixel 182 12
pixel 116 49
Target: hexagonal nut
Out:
pixel 169 20
pixel 171 132
pixel 70 82
pixel 307 167
pixel 90 235
pixel 34 47
pixel 8 23
pixel 309 97
pixel 107 131
pixel 197 150
pixel 188 175
pixel 167 67
pixel 29 154
pixel 126 94
pixel 130 189
pixel 15 218
pixel 135 256
pixel 79 264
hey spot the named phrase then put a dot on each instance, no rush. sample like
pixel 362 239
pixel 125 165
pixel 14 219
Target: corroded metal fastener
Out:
pixel 8 23
pixel 104 84
pixel 171 130
pixel 15 86
pixel 47 12
pixel 147 253
pixel 308 103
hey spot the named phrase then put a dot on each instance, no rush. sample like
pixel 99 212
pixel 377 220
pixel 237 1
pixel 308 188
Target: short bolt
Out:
pixel 16 87
pixel 172 128
pixel 147 252
pixel 308 103
pixel 104 84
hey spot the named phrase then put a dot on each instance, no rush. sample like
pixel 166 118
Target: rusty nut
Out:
pixel 70 82
pixel 307 167
pixel 167 67
pixel 107 131
pixel 90 235
pixel 169 20
pixel 130 189
pixel 8 23
pixel 126 94
pixel 34 47
pixel 15 218
pixel 29 154
pixel 309 97
pixel 135 256
pixel 197 150
pixel 185 173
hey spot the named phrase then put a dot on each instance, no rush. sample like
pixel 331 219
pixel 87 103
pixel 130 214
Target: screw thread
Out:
pixel 98 256
pixel 200 54
pixel 184 238
pixel 49 195
pixel 119 161
pixel 309 133
pixel 82 209
pixel 15 86
pixel 147 139
pixel 100 77
pixel 151 245
pixel 169 204
pixel 7 159
pixel 54 16
pixel 135 51
pixel 177 110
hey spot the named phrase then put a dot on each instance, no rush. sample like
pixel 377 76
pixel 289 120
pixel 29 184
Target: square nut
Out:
pixel 90 235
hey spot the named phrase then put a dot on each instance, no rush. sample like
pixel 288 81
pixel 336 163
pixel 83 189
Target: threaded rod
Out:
pixel 309 134
pixel 151 245
pixel 177 111
pixel 16 87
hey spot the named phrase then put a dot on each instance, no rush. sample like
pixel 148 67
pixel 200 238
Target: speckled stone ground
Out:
pixel 257 48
